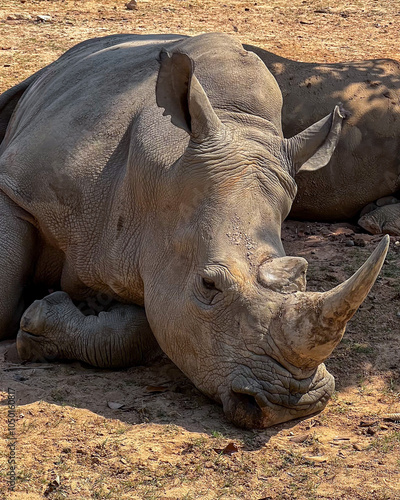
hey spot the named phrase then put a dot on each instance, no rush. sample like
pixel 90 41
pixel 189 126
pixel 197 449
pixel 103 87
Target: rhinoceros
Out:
pixel 150 174
pixel 364 170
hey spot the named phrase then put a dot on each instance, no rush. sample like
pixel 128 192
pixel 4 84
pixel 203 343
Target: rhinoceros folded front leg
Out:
pixel 385 219
pixel 54 328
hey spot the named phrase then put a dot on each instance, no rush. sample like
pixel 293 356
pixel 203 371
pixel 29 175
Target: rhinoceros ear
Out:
pixel 313 148
pixel 181 95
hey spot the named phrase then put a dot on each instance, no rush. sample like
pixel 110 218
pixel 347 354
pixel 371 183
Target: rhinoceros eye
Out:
pixel 208 292
pixel 209 284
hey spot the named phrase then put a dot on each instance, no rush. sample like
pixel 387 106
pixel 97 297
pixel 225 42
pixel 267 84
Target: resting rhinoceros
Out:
pixel 366 164
pixel 175 218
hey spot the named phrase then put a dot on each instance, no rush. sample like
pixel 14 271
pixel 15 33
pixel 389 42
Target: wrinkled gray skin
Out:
pixel 366 164
pixel 171 223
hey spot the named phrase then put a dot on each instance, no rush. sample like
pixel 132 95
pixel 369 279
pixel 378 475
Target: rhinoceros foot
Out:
pixel 54 328
pixel 385 219
pixel 37 338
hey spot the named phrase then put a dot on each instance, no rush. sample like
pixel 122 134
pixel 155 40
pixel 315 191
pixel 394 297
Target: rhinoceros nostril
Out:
pixel 247 401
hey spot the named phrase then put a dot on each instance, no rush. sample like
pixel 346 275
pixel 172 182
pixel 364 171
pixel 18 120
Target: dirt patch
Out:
pixel 162 438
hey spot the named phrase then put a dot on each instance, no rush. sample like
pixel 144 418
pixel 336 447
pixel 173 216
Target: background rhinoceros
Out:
pixel 175 219
pixel 364 170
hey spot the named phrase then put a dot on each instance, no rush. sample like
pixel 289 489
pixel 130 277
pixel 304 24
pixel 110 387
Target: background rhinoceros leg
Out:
pixel 17 243
pixel 385 219
pixel 54 328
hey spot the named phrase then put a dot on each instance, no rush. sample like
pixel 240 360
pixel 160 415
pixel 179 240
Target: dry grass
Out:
pixel 306 30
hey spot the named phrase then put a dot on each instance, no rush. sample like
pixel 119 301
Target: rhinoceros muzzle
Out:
pixel 293 382
pixel 260 404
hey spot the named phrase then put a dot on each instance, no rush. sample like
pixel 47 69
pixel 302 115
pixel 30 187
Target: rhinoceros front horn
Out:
pixel 311 324
pixel 341 302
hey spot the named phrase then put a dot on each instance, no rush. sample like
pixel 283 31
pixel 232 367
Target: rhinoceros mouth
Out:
pixel 259 405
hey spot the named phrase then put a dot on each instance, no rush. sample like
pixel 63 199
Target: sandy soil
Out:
pixel 146 432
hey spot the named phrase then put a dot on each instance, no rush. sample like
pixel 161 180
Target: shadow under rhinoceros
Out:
pixel 158 394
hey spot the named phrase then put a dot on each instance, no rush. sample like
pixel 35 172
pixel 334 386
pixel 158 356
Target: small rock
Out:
pixel 398 314
pixel 114 406
pixel 358 447
pixel 359 242
pixel 349 243
pixel 132 5
pixel 371 431
pixel 43 19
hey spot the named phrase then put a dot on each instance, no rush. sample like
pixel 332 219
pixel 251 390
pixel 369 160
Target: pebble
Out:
pixel 349 243
pixel 43 19
pixel 132 5
pixel 359 242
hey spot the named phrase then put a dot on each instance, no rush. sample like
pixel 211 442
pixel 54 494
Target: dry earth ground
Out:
pixel 167 441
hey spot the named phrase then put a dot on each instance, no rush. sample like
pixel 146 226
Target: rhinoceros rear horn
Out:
pixel 181 95
pixel 313 148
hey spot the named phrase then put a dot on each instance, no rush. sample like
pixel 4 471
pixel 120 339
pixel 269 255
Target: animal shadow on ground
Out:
pixel 160 393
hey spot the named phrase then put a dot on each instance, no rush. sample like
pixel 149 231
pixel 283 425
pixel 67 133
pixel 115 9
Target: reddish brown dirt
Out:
pixel 167 445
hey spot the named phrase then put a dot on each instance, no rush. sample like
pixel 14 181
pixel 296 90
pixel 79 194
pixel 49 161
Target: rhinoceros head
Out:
pixel 223 300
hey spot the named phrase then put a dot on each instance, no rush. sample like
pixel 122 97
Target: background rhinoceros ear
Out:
pixel 181 95
pixel 313 148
